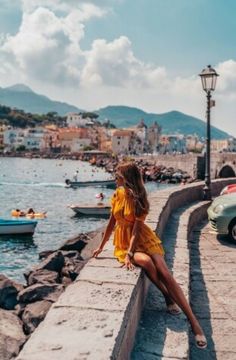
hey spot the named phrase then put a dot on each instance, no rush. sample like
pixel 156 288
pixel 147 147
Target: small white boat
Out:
pixel 95 183
pixel 10 227
pixel 96 210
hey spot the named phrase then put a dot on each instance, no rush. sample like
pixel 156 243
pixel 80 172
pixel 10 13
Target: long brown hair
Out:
pixel 134 182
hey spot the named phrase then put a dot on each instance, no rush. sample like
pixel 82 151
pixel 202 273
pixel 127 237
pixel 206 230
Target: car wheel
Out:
pixel 232 230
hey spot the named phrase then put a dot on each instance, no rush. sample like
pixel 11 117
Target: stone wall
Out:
pixel 97 316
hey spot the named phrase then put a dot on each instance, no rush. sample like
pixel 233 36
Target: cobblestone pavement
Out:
pixel 212 296
pixel 213 293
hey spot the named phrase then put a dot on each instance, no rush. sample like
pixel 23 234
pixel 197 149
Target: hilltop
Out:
pixel 171 122
pixel 22 97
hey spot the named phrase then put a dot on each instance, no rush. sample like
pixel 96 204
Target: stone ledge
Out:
pixel 97 316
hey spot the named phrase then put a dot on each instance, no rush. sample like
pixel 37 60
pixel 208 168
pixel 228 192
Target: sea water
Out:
pixel 40 184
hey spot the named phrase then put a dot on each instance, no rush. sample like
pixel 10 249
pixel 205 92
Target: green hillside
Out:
pixel 22 97
pixel 172 122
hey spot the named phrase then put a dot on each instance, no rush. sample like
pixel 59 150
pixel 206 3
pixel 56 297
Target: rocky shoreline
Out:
pixel 23 307
pixel 150 171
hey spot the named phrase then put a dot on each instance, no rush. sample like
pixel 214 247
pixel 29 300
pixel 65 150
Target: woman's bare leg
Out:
pixel 146 263
pixel 175 292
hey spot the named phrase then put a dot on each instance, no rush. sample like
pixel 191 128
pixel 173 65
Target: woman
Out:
pixel 136 244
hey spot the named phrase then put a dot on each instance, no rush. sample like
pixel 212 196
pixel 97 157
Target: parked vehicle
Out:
pixel 228 189
pixel 222 215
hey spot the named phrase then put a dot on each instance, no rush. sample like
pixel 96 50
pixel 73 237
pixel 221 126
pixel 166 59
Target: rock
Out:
pixel 12 336
pixel 8 292
pixel 34 314
pixel 77 243
pixel 53 262
pixel 78 267
pixel 66 280
pixel 43 276
pixel 45 254
pixel 39 292
pixel 74 254
pixel 19 309
pixel 71 268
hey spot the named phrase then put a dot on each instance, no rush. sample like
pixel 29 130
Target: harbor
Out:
pixel 40 184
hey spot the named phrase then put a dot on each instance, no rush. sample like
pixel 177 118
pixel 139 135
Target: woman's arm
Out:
pixel 130 252
pixel 106 236
pixel 135 232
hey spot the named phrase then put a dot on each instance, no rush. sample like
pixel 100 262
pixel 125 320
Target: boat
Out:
pixel 10 227
pixel 96 210
pixel 95 183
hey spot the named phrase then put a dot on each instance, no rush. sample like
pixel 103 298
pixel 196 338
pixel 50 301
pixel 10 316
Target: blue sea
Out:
pixel 40 184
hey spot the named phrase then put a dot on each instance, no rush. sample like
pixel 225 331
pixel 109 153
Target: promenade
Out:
pixel 97 316
pixel 212 294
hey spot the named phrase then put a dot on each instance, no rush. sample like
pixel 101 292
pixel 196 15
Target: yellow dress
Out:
pixel 122 207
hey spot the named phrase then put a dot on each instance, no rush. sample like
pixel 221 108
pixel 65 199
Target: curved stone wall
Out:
pixel 97 316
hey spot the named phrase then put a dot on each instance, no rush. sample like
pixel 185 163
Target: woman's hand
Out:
pixel 128 263
pixel 97 252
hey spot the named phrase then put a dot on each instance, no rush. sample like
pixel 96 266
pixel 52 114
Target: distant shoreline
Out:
pixel 148 167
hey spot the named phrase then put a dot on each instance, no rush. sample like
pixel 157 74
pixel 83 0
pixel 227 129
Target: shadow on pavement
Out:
pixel 155 321
pixel 199 298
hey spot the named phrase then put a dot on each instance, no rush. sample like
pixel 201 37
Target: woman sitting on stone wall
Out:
pixel 136 244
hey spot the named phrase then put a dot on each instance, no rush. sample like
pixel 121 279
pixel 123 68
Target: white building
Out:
pixel 153 136
pixel 121 141
pixel 74 139
pixel 77 120
pixel 29 138
pixel 173 144
pixel 141 132
pixel 12 138
pixel 34 139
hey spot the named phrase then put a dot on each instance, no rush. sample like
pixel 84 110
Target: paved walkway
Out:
pixel 213 293
pixel 212 285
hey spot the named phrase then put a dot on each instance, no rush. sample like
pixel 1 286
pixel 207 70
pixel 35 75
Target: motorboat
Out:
pixel 96 183
pixel 19 226
pixel 95 210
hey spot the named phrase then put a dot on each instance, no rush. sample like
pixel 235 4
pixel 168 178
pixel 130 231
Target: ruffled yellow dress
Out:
pixel 122 207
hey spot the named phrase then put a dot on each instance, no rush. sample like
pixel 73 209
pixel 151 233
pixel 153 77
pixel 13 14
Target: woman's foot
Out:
pixel 173 309
pixel 201 341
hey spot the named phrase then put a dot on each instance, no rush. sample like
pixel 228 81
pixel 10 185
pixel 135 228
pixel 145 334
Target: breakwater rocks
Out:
pixel 150 171
pixel 23 307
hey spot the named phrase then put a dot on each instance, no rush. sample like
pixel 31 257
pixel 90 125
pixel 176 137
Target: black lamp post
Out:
pixel 208 77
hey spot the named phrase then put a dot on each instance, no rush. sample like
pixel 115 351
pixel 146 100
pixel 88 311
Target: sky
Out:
pixel 139 53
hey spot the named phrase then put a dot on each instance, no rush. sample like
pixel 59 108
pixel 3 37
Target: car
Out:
pixel 222 215
pixel 228 189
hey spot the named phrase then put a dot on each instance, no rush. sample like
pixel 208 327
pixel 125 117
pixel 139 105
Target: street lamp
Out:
pixel 208 77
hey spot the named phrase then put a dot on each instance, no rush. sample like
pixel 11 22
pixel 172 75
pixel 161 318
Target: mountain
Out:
pixel 22 97
pixel 19 88
pixel 172 122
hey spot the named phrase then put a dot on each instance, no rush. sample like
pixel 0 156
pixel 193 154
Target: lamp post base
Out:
pixel 206 193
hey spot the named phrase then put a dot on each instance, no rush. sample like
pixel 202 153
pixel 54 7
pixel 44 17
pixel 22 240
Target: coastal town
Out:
pixel 80 132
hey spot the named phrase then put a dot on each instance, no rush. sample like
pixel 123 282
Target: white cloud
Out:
pixel 227 81
pixel 47 46
pixel 46 53
pixel 114 64
pixel 65 6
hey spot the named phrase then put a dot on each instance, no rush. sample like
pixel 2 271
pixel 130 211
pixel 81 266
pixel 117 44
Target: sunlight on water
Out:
pixel 40 184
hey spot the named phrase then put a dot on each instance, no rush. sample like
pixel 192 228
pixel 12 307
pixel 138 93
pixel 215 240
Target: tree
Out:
pixel 21 148
pixel 91 115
